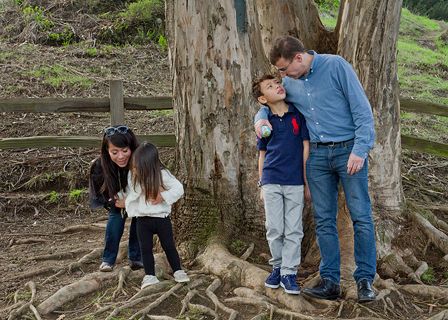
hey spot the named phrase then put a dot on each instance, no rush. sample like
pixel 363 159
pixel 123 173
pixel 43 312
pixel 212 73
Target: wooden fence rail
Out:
pixel 116 104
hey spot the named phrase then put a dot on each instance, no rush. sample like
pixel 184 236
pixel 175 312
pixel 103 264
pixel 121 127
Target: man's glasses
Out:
pixel 283 70
pixel 112 130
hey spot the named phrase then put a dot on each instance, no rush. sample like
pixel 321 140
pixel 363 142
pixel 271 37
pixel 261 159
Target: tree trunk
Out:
pixel 367 34
pixel 216 49
pixel 213 62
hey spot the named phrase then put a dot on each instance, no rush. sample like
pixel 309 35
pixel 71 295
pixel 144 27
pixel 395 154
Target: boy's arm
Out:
pixel 260 170
pixel 306 153
pixel 261 119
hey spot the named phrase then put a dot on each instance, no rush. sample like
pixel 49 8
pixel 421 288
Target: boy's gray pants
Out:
pixel 283 207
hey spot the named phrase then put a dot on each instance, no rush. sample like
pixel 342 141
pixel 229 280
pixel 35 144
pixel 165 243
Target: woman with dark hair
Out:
pixel 107 183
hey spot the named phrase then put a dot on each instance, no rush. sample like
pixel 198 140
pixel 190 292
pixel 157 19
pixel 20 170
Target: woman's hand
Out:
pixel 119 203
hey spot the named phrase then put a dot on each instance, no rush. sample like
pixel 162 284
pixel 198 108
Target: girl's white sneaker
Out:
pixel 181 276
pixel 149 280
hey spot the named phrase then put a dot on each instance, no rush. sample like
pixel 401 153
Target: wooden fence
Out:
pixel 116 104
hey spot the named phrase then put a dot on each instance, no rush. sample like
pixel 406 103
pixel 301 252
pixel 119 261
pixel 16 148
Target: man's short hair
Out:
pixel 256 88
pixel 285 47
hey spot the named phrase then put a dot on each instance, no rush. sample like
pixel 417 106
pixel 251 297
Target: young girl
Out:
pixel 151 191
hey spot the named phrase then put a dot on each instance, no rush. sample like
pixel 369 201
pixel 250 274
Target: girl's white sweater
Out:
pixel 136 206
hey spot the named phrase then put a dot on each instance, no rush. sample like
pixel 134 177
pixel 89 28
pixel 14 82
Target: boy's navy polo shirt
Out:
pixel 283 162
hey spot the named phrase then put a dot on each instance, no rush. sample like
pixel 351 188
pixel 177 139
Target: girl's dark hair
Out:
pixel 148 167
pixel 108 179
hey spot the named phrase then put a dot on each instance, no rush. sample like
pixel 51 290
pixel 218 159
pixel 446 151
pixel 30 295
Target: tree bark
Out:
pixel 216 49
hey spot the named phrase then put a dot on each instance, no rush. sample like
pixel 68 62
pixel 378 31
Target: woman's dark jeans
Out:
pixel 114 231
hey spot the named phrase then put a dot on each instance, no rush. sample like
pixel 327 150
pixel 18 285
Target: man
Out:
pixel 326 90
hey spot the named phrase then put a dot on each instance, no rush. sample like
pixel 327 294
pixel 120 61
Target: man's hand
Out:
pixel 261 194
pixel 259 124
pixel 354 164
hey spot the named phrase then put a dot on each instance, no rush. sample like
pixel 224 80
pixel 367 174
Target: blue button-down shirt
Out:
pixel 333 102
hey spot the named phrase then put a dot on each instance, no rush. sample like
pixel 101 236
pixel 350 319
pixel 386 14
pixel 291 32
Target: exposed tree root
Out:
pixel 36 273
pixel 14 241
pixel 59 256
pixel 209 292
pixel 437 237
pixel 217 260
pixel 82 227
pixel 155 303
pixel 87 284
pixel 18 313
pixel 120 286
pixel 248 252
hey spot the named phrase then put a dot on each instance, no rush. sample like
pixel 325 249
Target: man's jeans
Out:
pixel 114 231
pixel 325 167
pixel 283 206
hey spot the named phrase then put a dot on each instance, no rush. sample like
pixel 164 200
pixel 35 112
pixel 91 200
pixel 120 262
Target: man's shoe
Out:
pixel 365 291
pixel 273 281
pixel 288 281
pixel 325 290
pixel 135 265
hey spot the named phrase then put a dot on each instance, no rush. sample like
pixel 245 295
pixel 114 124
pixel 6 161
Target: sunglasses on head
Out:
pixel 112 130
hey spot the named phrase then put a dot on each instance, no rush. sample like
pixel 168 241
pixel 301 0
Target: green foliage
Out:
pixel 238 246
pixel 434 9
pixel 76 194
pixel 142 10
pixel 52 197
pixel 327 4
pixel 36 14
pixel 65 37
pixel 428 276
pixel 162 42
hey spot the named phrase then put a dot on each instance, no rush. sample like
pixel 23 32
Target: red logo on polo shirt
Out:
pixel 296 126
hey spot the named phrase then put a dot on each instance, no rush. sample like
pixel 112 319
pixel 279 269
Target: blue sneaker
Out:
pixel 288 281
pixel 273 281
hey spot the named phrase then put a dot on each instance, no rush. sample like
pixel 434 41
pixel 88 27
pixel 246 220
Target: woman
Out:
pixel 108 180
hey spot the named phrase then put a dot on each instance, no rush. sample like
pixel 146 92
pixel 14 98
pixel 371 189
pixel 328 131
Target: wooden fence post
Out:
pixel 116 102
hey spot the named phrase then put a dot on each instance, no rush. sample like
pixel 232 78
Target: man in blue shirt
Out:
pixel 326 90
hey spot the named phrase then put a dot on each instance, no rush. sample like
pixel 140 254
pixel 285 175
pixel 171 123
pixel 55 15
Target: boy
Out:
pixel 283 184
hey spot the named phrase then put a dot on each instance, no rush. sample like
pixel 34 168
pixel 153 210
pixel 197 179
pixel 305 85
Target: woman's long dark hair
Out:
pixel 108 179
pixel 147 163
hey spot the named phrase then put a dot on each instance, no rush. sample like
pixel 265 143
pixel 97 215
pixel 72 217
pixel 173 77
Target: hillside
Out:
pixel 64 48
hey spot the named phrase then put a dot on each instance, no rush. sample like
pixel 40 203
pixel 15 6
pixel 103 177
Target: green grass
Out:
pixel 411 24
pixel 329 16
pixel 58 76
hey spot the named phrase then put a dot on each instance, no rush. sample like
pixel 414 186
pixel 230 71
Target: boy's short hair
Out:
pixel 256 88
